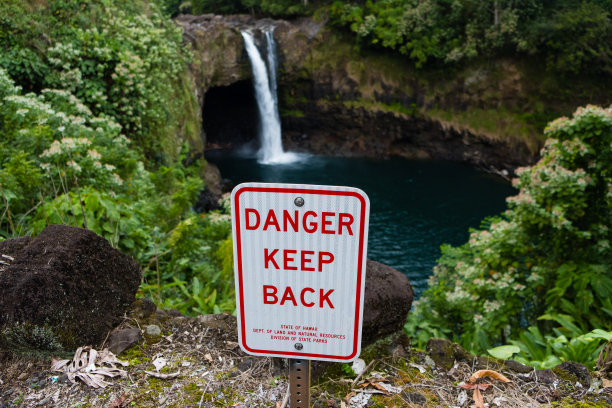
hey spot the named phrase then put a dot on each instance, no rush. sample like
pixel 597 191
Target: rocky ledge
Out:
pixel 337 101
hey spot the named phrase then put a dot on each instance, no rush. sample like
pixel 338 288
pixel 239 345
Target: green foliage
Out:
pixel 576 40
pixel 504 352
pixel 569 343
pixel 573 37
pixel 92 146
pixel 277 8
pixel 347 369
pixel 548 255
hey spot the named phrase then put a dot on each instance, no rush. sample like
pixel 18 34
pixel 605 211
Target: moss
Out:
pixel 296 113
pixel 588 402
pixel 496 124
pixel 30 338
pixel 133 353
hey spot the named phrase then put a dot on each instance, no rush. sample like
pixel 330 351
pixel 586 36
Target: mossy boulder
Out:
pixel 444 352
pixel 66 288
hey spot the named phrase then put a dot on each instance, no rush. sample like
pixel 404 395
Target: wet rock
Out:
pixel 388 298
pixel 573 372
pixel 121 340
pixel 209 197
pixel 66 288
pixel 444 352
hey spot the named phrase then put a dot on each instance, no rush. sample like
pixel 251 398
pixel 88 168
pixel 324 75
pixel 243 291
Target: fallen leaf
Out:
pixel 481 387
pixel 375 385
pixel 478 400
pixel 163 376
pixel 230 345
pixel 58 364
pixel 605 383
pixel 92 380
pixel 349 396
pixel 83 367
pixel 487 373
pixel 208 357
pixel 107 357
pixel 117 403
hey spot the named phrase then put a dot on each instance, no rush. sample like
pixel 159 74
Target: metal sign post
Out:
pixel 299 383
pixel 299 267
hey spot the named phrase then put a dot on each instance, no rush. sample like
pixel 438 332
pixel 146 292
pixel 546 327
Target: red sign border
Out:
pixel 357 327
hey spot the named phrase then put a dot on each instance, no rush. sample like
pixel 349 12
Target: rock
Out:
pixel 210 196
pixel 152 330
pixel 573 372
pixel 545 376
pixel 121 340
pixel 66 288
pixel 388 298
pixel 518 367
pixel 333 104
pixel 173 313
pixel 444 352
pixel 142 308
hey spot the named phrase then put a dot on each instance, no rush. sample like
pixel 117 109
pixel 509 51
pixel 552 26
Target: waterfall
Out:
pixel 264 79
pixel 271 54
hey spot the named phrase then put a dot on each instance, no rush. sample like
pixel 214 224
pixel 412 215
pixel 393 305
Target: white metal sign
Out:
pixel 299 266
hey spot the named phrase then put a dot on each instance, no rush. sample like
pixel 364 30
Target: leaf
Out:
pixel 117 403
pixel 481 387
pixel 605 383
pixel 504 352
pixel 83 366
pixel 375 385
pixel 487 373
pixel 478 399
pixel 58 364
pixel 93 380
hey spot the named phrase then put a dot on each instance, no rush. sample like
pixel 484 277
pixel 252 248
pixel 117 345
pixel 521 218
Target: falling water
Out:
pixel 271 54
pixel 264 78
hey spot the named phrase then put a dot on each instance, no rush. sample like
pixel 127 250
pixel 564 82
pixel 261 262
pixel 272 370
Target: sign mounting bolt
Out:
pixel 298 346
pixel 299 201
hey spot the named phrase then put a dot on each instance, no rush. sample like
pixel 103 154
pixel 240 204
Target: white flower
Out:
pixel 94 154
pixel 117 179
pixel 74 165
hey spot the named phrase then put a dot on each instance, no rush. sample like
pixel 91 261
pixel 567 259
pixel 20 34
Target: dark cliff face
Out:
pixel 335 101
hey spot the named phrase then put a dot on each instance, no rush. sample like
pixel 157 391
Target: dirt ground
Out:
pixel 196 362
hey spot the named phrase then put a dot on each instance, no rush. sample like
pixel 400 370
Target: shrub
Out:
pixel 549 253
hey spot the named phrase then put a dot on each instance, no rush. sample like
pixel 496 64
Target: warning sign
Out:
pixel 299 263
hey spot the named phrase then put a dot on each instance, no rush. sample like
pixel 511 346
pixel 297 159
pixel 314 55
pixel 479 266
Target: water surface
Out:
pixel 415 205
